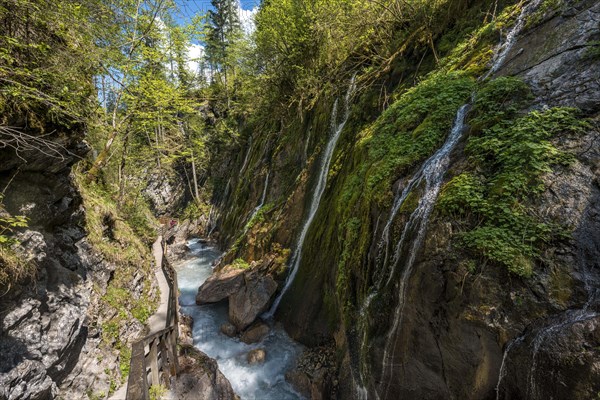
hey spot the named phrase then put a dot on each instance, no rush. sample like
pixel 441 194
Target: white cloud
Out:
pixel 195 55
pixel 247 19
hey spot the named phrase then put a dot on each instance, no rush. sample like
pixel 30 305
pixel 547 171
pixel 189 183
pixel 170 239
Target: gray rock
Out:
pixel 28 381
pixel 251 300
pixel 200 378
pixel 229 329
pixel 165 192
pixel 255 333
pixel 220 285
pixel 256 356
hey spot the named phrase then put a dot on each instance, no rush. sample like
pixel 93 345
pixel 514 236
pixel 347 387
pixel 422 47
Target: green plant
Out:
pixel 157 392
pixel 509 154
pixel 124 361
pixel 240 263
pixel 13 268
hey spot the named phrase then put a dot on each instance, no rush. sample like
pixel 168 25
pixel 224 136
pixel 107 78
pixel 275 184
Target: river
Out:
pixel 260 381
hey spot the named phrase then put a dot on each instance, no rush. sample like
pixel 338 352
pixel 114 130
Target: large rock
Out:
pixel 255 333
pixel 220 285
pixel 166 192
pixel 250 301
pixel 566 364
pixel 200 378
pixel 256 356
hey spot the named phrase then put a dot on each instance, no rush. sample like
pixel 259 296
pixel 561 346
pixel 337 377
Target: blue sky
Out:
pixel 190 7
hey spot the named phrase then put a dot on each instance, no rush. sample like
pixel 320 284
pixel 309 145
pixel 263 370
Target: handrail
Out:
pixel 154 357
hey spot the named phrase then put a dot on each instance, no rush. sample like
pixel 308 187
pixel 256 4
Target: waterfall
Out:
pixel 262 200
pixel 509 41
pixel 247 157
pixel 432 174
pixel 502 373
pixel 336 130
pixel 572 317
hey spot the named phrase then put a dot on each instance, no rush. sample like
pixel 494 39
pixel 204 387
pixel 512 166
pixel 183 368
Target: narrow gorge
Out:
pixel 300 199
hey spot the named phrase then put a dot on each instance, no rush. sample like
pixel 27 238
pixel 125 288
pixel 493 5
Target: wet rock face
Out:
pixel 566 365
pixel 554 58
pixel 314 373
pixel 455 327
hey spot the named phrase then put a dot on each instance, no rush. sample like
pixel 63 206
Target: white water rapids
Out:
pixel 251 382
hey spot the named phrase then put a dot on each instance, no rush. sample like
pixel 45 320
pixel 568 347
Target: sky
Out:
pixel 189 8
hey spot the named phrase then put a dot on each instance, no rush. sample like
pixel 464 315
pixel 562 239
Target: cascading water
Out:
pixel 502 373
pixel 570 317
pixel 250 381
pixel 336 130
pixel 557 324
pixel 262 200
pixel 247 157
pixel 432 173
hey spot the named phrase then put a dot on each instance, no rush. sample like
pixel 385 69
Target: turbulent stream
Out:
pixel 260 381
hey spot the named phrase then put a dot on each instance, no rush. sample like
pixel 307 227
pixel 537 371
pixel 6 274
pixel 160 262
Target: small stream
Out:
pixel 261 381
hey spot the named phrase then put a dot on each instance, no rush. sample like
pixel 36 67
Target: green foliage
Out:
pixel 593 50
pixel 156 392
pixel 13 267
pixel 509 154
pixel 7 224
pixel 46 60
pixel 240 263
pixel 414 126
pixel 124 361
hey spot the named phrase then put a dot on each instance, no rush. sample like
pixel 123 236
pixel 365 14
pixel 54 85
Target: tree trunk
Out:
pixel 122 170
pixel 194 176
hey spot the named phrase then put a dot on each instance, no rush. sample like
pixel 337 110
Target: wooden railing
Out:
pixel 154 358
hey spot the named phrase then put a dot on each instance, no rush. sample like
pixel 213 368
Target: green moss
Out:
pixel 110 332
pixel 593 50
pixel 157 392
pixel 544 9
pixel 240 263
pixel 414 126
pixel 108 230
pixel 508 153
pixel 124 361
pixel 411 202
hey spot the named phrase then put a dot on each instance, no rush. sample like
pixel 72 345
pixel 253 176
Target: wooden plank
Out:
pixel 165 360
pixel 137 385
pixel 153 362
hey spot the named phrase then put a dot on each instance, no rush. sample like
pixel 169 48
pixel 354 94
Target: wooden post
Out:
pixel 165 359
pixel 173 343
pixel 137 384
pixel 153 362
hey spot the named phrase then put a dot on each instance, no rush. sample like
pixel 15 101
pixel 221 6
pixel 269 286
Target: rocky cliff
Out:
pixel 64 330
pixel 497 292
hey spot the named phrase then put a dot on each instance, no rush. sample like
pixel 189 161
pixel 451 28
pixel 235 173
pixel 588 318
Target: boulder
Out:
pixel 228 329
pixel 256 356
pixel 200 378
pixel 255 333
pixel 250 301
pixel 220 285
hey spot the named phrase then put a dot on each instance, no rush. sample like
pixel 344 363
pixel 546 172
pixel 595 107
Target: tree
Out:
pixel 223 30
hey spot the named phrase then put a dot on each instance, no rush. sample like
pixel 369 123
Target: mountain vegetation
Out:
pixel 154 119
